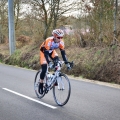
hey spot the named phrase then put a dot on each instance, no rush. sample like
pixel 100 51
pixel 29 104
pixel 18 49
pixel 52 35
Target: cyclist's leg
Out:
pixel 54 56
pixel 42 75
pixel 36 85
pixel 43 63
pixel 42 58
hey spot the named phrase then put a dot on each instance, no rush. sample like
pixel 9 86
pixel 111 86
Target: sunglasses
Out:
pixel 59 37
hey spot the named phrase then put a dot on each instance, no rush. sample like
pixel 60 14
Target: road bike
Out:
pixel 56 81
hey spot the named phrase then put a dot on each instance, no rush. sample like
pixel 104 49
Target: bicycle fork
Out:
pixel 60 83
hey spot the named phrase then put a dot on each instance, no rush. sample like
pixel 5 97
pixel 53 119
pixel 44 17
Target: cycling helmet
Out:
pixel 58 32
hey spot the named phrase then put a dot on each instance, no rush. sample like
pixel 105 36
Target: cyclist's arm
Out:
pixel 63 51
pixel 63 55
pixel 46 54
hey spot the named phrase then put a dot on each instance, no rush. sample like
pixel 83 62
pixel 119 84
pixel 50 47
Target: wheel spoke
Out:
pixel 36 85
pixel 62 91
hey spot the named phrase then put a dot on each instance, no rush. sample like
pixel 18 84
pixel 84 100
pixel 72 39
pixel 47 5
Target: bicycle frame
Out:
pixel 55 77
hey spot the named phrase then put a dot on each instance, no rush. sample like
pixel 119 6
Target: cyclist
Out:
pixel 47 53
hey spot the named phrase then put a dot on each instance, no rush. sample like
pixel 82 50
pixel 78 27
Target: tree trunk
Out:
pixel 114 42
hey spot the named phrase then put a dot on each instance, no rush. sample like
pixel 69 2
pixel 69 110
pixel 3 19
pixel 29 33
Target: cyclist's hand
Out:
pixel 68 66
pixel 51 66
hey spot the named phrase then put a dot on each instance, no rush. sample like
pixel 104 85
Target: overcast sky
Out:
pixel 27 8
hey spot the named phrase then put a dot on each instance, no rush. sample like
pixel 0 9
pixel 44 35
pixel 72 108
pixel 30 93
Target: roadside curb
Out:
pixel 78 78
pixel 96 82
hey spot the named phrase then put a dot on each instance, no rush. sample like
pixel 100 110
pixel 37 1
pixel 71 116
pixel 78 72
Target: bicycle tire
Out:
pixel 61 96
pixel 36 84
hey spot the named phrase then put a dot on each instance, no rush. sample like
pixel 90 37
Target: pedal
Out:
pixel 46 91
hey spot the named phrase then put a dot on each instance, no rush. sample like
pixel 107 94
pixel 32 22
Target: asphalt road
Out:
pixel 88 101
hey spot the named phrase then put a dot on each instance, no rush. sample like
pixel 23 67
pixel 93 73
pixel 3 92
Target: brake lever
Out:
pixel 71 64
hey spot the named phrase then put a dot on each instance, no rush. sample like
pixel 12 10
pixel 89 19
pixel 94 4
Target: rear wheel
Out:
pixel 36 85
pixel 62 91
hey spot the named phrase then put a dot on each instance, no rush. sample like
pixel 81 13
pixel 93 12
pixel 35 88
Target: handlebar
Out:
pixel 60 63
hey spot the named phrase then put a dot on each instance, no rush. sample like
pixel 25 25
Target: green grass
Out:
pixel 89 62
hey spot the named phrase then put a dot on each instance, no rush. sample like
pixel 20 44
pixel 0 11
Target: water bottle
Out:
pixel 48 76
pixel 49 79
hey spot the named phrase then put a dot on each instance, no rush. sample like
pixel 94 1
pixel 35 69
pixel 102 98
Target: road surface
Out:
pixel 88 101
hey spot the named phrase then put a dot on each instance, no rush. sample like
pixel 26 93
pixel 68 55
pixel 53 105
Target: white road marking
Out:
pixel 37 101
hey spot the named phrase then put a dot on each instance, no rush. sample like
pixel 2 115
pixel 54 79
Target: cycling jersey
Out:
pixel 47 49
pixel 50 45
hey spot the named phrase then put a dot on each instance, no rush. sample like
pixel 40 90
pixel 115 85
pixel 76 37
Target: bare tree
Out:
pixel 50 11
pixel 102 19
pixel 16 12
pixel 3 20
pixel 115 17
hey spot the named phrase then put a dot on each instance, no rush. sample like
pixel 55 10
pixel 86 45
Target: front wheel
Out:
pixel 62 91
